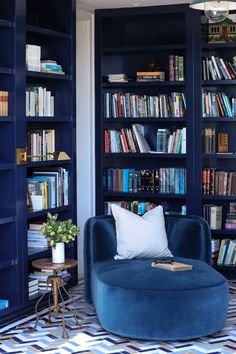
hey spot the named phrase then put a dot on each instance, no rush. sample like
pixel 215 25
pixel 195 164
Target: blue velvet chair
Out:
pixel 135 300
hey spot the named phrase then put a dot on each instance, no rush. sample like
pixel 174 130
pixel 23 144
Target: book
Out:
pixel 174 266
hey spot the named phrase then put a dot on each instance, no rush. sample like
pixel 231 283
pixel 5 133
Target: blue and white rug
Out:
pixel 90 337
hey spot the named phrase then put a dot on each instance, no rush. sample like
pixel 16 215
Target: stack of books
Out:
pixel 39 102
pixel 215 68
pixel 162 180
pixel 171 143
pixel 128 105
pixel 215 141
pixel 35 240
pixel 4 304
pixel 227 253
pixel 217 104
pixel 176 68
pixel 126 140
pixel 33 57
pixel 33 287
pixel 4 103
pixel 41 144
pixel 48 188
pixel 51 67
pixel 215 246
pixel 230 222
pixel 213 215
pixel 216 182
pixel 42 278
pixel 117 78
pixel 147 76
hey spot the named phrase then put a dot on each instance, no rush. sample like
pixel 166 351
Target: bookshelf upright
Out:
pixel 52 27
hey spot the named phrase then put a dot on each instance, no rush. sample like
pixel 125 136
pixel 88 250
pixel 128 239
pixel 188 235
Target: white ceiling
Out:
pixel 107 4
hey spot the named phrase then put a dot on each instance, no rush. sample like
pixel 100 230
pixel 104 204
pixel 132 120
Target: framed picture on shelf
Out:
pixel 222 32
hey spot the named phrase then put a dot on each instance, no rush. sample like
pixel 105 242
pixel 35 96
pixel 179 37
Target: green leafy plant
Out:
pixel 57 231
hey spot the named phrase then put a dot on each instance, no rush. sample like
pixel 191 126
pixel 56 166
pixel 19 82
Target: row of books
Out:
pixel 215 68
pixel 34 62
pixel 215 141
pixel 162 180
pixel 128 105
pixel 216 182
pixel 176 68
pixel 138 207
pixel 48 188
pixel 38 280
pixel 213 215
pixel 148 76
pixel 171 142
pixel 35 240
pixel 126 140
pixel 39 102
pixel 4 103
pixel 224 252
pixel 218 104
pixel 41 144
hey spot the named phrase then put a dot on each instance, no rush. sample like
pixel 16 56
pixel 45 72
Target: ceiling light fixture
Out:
pixel 216 11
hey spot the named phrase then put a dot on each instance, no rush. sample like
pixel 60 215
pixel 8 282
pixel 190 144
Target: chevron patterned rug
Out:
pixel 90 337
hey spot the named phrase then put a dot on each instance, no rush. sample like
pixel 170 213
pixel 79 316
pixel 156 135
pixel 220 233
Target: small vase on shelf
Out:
pixel 58 253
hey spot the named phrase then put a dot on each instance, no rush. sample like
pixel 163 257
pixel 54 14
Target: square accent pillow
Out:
pixel 140 237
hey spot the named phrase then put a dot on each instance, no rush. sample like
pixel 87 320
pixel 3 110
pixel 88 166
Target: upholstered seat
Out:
pixel 136 300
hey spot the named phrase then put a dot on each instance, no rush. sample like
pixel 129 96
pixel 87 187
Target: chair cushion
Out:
pixel 136 300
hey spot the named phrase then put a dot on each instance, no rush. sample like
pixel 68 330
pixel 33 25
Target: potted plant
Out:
pixel 58 233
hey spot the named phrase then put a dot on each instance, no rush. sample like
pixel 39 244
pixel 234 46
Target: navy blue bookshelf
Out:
pixel 125 39
pixel 51 26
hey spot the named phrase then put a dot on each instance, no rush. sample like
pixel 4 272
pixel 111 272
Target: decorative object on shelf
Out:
pixel 22 158
pixel 222 32
pixel 152 64
pixel 216 11
pixel 58 233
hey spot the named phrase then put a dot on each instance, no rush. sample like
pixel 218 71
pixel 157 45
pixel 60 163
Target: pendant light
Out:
pixel 215 11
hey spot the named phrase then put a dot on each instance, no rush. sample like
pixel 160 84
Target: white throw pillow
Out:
pixel 140 237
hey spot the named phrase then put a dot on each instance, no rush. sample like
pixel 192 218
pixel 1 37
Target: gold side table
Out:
pixel 57 284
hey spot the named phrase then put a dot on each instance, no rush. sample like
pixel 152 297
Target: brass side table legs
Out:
pixel 56 283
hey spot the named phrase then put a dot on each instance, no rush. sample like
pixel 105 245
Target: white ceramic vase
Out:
pixel 58 253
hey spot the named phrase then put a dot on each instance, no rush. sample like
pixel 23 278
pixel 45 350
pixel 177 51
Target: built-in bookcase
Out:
pixel 50 26
pixel 125 39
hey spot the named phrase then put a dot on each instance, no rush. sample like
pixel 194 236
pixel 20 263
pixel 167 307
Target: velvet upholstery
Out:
pixel 135 300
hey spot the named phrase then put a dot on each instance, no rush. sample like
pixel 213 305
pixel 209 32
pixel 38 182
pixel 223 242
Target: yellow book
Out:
pixel 173 266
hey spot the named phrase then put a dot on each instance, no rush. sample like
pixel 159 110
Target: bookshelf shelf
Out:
pixel 225 267
pixel 5 119
pixel 5 23
pixel 7 219
pixel 219 156
pixel 218 46
pixel 48 163
pixel 35 253
pixel 36 74
pixel 219 119
pixel 140 49
pixel 218 82
pixel 48 32
pixel 7 264
pixel 6 71
pixel 6 166
pixel 41 213
pixel 224 232
pixel 143 84
pixel 145 120
pixel 219 197
pixel 144 195
pixel 144 155
pixel 54 119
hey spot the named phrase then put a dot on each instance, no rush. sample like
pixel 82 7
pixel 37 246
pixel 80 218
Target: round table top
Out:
pixel 46 263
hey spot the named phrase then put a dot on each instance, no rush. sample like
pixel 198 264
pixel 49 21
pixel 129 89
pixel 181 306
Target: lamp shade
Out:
pixel 200 4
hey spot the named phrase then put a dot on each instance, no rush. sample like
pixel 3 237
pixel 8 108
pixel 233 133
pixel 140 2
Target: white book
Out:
pixel 44 102
pixel 48 103
pixel 216 217
pixel 32 103
pixel 138 130
pixel 27 104
pixel 40 98
pixel 52 106
pixel 37 202
pixel 219 76
pixel 184 141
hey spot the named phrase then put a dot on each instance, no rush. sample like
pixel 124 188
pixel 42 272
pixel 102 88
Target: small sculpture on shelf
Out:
pixel 152 64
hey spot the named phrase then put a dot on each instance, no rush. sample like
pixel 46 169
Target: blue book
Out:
pixel 125 180
pixel 4 304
